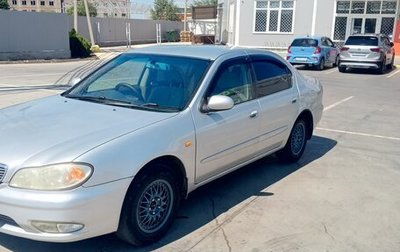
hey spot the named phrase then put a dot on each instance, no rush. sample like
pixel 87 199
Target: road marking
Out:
pixel 338 103
pixel 360 134
pixel 331 71
pixel 393 74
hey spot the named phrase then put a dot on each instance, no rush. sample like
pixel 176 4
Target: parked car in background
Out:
pixel 119 150
pixel 367 51
pixel 313 51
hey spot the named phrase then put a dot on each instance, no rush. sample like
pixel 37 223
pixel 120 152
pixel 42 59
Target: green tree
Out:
pixel 81 9
pixel 4 4
pixel 198 3
pixel 164 10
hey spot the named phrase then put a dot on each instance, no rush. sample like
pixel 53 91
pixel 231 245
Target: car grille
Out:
pixel 7 220
pixel 2 172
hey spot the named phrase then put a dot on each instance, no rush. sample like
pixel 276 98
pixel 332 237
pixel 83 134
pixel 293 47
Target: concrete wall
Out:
pixel 112 31
pixel 34 35
pixel 29 35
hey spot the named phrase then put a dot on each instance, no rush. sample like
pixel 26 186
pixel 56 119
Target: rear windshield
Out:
pixel 306 42
pixel 362 40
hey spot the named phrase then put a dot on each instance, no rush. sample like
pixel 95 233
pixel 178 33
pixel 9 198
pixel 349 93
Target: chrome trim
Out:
pixel 3 170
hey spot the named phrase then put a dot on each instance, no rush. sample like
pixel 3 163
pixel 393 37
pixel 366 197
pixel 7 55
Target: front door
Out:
pixel 226 139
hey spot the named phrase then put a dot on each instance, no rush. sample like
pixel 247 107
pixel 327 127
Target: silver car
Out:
pixel 367 51
pixel 119 150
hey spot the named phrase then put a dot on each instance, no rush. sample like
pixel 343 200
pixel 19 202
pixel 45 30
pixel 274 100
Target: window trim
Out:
pixel 268 10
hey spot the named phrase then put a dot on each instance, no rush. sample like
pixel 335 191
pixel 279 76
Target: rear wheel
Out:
pixel 382 67
pixel 321 64
pixel 296 143
pixel 336 61
pixel 390 66
pixel 149 207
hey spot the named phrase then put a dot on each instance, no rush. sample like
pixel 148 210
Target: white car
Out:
pixel 119 150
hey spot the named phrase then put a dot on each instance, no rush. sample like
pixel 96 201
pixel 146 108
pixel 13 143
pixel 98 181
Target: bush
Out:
pixel 79 46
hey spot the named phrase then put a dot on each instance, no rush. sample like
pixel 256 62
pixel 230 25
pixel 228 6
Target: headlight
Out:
pixel 52 177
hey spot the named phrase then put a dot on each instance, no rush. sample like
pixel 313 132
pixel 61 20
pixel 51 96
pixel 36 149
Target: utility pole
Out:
pixel 88 21
pixel 185 16
pixel 76 15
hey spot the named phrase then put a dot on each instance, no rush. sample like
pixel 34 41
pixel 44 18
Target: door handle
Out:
pixel 253 114
pixel 294 100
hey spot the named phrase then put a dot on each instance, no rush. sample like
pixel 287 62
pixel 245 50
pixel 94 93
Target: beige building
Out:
pixel 36 5
pixel 107 8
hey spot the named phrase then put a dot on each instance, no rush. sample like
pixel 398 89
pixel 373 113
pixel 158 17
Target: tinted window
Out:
pixel 272 77
pixel 362 40
pixel 306 42
pixel 234 81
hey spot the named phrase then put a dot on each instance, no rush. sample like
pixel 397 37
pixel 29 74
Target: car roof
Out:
pixel 310 37
pixel 366 35
pixel 209 52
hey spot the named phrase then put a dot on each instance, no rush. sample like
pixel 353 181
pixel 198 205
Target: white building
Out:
pixel 272 23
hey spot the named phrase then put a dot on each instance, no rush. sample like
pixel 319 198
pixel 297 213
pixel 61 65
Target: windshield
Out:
pixel 363 41
pixel 152 82
pixel 306 42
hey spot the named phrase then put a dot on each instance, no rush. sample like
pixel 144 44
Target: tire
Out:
pixel 390 66
pixel 336 61
pixel 296 143
pixel 342 69
pixel 382 67
pixel 321 64
pixel 149 207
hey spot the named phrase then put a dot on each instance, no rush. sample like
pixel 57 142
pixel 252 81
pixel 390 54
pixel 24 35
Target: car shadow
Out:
pixel 307 68
pixel 202 207
pixel 369 71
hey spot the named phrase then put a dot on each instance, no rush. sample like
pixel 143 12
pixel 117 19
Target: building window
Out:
pixel 33 2
pixel 274 16
pixel 51 3
pixel 14 2
pixel 366 7
pixel 42 3
pixel 23 2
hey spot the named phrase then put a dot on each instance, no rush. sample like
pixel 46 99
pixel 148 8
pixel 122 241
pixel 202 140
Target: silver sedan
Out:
pixel 119 150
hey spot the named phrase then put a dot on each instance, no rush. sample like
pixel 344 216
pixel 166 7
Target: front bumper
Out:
pixel 97 208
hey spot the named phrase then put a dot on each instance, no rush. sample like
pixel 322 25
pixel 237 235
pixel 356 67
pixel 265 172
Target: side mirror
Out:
pixel 391 44
pixel 75 81
pixel 219 103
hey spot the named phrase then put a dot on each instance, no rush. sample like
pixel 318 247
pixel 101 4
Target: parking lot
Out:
pixel 341 196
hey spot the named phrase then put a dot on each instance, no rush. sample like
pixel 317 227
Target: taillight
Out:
pixel 343 49
pixel 317 50
pixel 375 49
pixel 289 49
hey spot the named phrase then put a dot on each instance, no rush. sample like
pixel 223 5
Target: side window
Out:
pixel 234 81
pixel 271 76
pixel 324 42
pixel 330 43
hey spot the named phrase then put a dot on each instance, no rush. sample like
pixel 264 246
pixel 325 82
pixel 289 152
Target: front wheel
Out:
pixel 149 208
pixel 296 143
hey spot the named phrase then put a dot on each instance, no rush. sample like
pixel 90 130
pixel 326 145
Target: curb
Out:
pixel 93 57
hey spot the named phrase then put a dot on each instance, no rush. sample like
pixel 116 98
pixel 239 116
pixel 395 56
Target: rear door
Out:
pixel 330 50
pixel 278 97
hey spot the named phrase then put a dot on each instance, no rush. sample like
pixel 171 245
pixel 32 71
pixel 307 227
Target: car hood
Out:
pixel 58 129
